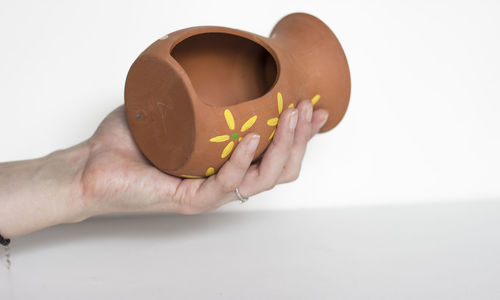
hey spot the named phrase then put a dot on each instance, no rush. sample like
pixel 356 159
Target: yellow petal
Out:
pixel 220 138
pixel 227 149
pixel 315 99
pixel 280 103
pixel 272 134
pixel 249 123
pixel 210 171
pixel 291 105
pixel 229 119
pixel 272 121
pixel 190 176
pixel 239 139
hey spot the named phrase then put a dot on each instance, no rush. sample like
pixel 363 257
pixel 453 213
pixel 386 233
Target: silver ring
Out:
pixel 242 199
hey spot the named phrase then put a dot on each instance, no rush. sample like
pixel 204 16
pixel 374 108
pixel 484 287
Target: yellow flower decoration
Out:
pixel 190 176
pixel 315 99
pixel 274 121
pixel 279 98
pixel 210 171
pixel 235 136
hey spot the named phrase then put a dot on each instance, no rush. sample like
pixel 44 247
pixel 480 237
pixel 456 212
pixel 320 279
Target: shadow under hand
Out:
pixel 141 227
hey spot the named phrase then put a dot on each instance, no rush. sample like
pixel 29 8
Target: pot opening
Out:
pixel 226 69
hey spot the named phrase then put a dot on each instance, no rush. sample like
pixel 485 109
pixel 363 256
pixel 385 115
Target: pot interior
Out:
pixel 226 69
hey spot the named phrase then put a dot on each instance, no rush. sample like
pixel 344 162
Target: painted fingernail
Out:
pixel 309 113
pixel 293 120
pixel 253 143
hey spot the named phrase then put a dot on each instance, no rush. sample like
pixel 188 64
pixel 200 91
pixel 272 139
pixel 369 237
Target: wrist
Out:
pixel 38 193
pixel 66 167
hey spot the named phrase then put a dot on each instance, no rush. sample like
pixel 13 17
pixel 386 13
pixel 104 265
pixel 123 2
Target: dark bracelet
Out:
pixel 4 241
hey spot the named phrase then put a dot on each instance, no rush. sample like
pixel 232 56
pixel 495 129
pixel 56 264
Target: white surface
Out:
pixel 444 251
pixel 423 122
pixel 423 125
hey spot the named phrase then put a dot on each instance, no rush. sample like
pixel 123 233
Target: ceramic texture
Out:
pixel 193 94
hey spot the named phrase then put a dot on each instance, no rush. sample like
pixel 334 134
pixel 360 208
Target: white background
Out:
pixel 423 126
pixel 423 123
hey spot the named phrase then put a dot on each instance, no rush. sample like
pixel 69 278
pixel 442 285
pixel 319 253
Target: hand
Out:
pixel 117 177
pixel 107 173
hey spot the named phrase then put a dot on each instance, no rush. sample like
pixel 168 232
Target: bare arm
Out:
pixel 107 173
pixel 41 192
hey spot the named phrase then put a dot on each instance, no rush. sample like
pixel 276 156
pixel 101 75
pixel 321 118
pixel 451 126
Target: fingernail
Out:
pixel 323 121
pixel 293 120
pixel 309 113
pixel 253 143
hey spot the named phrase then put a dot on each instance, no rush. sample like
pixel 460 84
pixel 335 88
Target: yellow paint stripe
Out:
pixel 220 138
pixel 249 123
pixel 227 150
pixel 315 99
pixel 190 176
pixel 272 122
pixel 210 171
pixel 272 134
pixel 229 119
pixel 280 103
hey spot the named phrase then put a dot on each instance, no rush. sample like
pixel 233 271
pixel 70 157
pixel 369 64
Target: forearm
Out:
pixel 42 192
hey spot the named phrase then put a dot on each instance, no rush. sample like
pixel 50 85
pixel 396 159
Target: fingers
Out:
pixel 264 175
pixel 302 133
pixel 320 116
pixel 309 124
pixel 220 187
pixel 232 172
pixel 280 163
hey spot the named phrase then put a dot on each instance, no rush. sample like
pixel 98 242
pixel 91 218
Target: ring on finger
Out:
pixel 240 197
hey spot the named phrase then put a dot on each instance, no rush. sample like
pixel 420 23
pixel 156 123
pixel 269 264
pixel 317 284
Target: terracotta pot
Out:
pixel 193 94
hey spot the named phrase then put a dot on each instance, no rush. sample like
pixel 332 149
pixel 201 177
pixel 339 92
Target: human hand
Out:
pixel 107 173
pixel 118 178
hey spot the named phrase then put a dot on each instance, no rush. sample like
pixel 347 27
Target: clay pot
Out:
pixel 193 94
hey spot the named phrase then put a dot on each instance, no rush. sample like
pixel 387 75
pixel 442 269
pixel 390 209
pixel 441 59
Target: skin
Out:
pixel 108 174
